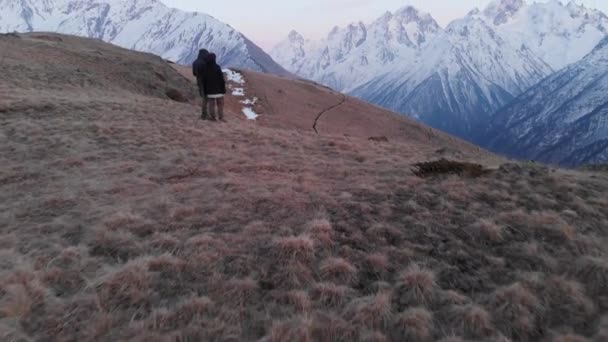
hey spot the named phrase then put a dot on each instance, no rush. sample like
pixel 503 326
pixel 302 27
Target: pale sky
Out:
pixel 267 22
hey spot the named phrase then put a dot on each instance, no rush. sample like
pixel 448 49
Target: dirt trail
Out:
pixel 314 126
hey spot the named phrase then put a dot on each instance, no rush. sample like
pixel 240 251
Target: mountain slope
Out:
pixel 349 56
pixel 143 25
pixel 561 120
pixel 452 79
pixel 458 80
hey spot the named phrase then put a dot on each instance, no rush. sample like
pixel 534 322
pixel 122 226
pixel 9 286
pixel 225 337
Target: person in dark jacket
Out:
pixel 215 88
pixel 198 70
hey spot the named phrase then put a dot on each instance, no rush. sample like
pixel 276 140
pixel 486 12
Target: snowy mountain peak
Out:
pixel 499 11
pixel 559 33
pixel 411 14
pixel 296 37
pixel 474 11
pixel 143 25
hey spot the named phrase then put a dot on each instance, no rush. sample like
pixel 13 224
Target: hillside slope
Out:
pixel 125 217
pixel 143 25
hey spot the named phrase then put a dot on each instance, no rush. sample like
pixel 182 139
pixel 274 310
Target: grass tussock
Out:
pixel 373 311
pixel 295 248
pixel 415 324
pixel 338 270
pixel 487 230
pixel 470 321
pixel 332 295
pixel 297 330
pixel 127 287
pixel 518 313
pixel 415 286
pixel 593 272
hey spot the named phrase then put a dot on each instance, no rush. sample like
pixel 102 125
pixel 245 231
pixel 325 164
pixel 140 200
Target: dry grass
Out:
pixel 414 324
pixel 488 230
pixel 295 248
pixel 332 295
pixel 470 321
pixel 124 218
pixel 517 312
pixel 593 272
pixel 372 311
pixel 415 286
pixel 338 270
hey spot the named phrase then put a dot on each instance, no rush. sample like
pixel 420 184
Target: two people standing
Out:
pixel 211 85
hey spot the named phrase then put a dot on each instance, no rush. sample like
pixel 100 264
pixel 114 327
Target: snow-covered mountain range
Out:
pixel 143 25
pixel 452 78
pixel 563 119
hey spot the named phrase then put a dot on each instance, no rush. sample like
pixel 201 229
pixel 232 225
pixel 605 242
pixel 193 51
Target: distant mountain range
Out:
pixel 455 78
pixel 143 25
pixel 563 119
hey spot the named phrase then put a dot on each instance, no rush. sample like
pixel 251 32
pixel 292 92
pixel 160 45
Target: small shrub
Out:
pixel 444 166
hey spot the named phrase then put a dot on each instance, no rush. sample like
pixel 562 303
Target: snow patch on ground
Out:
pixel 236 78
pixel 249 101
pixel 249 113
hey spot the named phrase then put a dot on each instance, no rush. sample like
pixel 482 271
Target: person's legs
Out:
pixel 220 109
pixel 212 103
pixel 205 112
